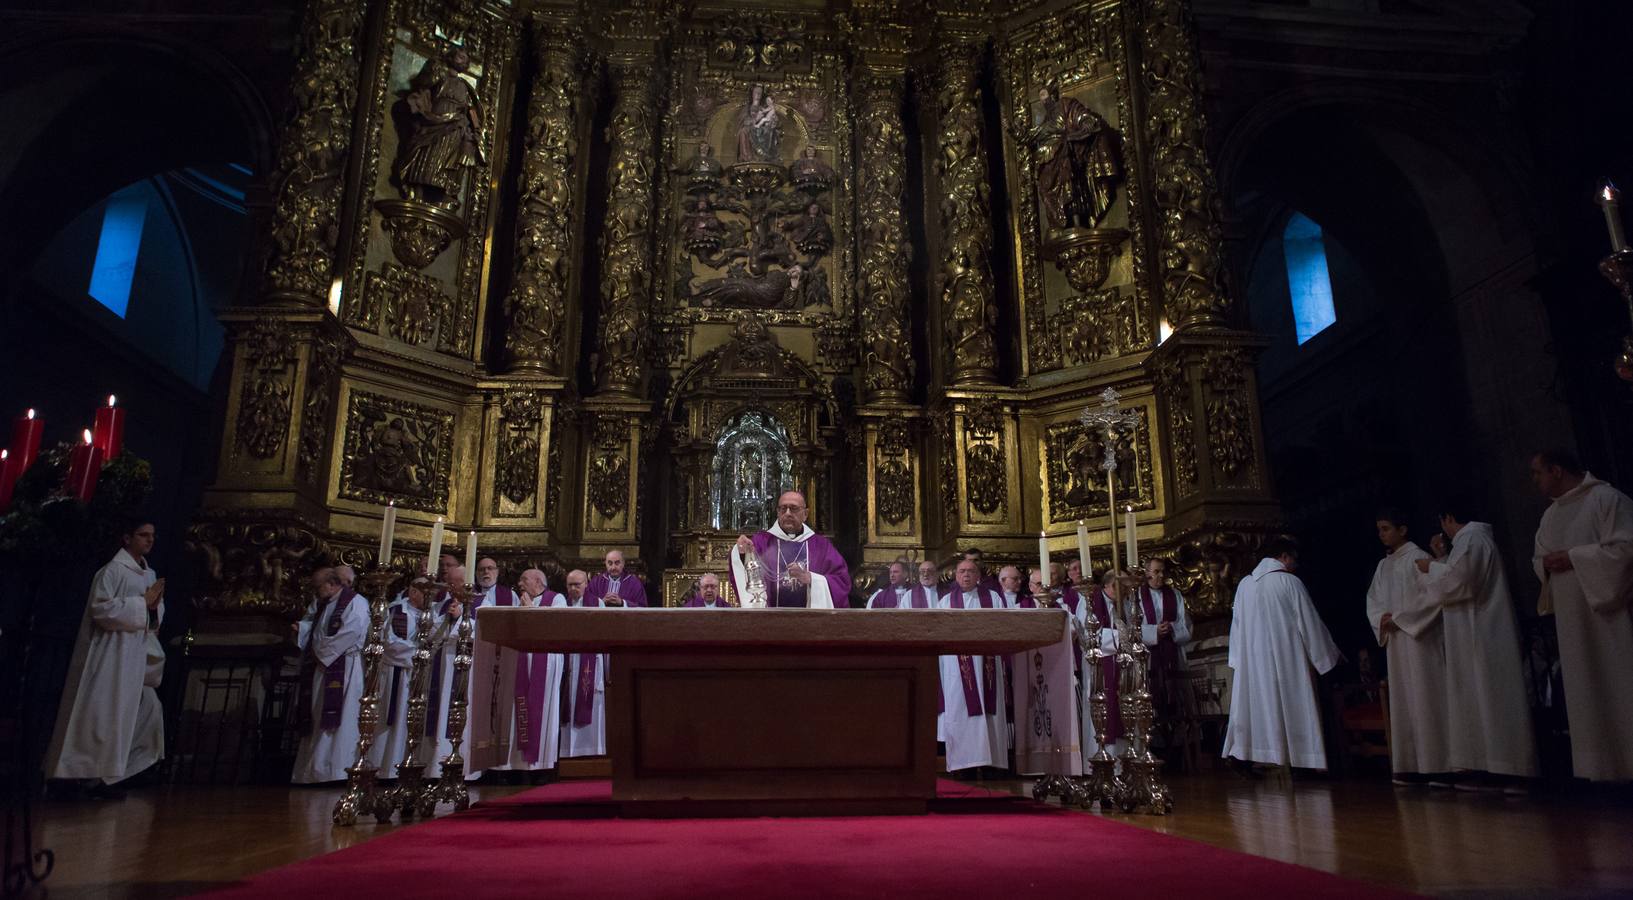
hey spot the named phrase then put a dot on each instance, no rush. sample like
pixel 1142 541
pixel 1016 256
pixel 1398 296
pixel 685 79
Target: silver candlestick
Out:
pixel 451 787
pixel 363 793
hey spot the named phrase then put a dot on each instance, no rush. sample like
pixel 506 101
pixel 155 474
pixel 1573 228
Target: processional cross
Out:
pixel 1111 420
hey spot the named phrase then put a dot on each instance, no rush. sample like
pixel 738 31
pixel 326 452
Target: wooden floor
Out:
pixel 173 840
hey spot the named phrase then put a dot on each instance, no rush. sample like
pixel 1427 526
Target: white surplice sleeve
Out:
pixel 117 603
pixel 1604 569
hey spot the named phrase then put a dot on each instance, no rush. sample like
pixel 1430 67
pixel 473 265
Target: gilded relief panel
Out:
pixel 1075 477
pixel 1065 97
pixel 396 450
pixel 756 203
pixel 417 252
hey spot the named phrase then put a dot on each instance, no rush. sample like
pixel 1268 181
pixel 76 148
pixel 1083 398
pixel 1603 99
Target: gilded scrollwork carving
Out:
pixel 1230 416
pixel 516 476
pixel 416 308
pixel 1191 234
pixel 766 41
pixel 544 246
pixel 322 382
pixel 609 465
pixel 264 400
pixel 969 310
pixel 397 450
pixel 887 360
pixel 255 567
pixel 1169 379
pixel 312 154
pixel 626 240
pixel 985 473
pixel 893 474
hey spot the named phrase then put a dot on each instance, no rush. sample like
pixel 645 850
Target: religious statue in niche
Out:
pixel 389 459
pixel 752 466
pixel 759 130
pixel 1079 166
pixel 440 128
pixel 758 234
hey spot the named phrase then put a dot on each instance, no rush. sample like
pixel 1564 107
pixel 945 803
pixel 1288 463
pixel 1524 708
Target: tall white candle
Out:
pixel 388 533
pixel 436 549
pixel 1610 203
pixel 1043 557
pixel 1130 542
pixel 1083 549
pixel 470 558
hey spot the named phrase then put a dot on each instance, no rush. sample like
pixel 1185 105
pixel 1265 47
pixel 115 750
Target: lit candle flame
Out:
pixel 4 454
pixel 1164 331
pixel 1608 192
pixel 87 433
pixel 31 414
pixel 111 399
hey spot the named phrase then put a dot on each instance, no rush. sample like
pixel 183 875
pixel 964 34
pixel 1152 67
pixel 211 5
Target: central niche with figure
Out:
pixel 756 233
pixel 752 467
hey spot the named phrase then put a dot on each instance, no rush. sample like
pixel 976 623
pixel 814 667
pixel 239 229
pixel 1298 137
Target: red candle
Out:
pixel 83 467
pixel 109 431
pixel 8 479
pixel 25 440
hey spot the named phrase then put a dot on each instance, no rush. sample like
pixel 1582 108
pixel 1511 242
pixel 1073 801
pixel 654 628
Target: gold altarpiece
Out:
pixel 608 275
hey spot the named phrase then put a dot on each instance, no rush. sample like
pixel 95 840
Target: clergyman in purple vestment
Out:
pixel 708 593
pixel 615 587
pixel 802 568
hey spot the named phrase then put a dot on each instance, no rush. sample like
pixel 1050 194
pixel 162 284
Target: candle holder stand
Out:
pixel 363 793
pixel 451 787
pixel 1142 788
pixel 405 796
pixel 1618 270
pixel 1069 790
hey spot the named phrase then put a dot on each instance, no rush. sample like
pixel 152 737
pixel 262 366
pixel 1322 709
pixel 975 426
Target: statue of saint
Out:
pixel 810 174
pixel 702 172
pixel 1078 163
pixel 704 232
pixel 759 131
pixel 811 232
pixel 440 139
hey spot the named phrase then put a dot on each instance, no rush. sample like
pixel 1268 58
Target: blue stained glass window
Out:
pixel 117 248
pixel 1307 278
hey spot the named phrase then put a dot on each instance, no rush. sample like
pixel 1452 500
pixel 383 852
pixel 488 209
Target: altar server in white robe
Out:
pixel 1584 556
pixel 583 708
pixel 110 725
pixel 1277 646
pixel 973 694
pixel 331 646
pixel 534 696
pixel 401 638
pixel 1488 715
pixel 1406 624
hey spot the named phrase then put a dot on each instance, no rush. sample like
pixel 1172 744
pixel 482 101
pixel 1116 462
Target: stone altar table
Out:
pixel 771 711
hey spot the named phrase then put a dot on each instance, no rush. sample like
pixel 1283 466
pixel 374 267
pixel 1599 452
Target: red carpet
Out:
pixel 563 839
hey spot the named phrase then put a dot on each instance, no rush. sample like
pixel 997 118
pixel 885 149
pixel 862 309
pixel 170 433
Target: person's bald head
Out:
pixel 614 561
pixel 928 574
pixel 791 512
pixel 532 582
pixel 1009 578
pixel 347 575
pixel 1037 583
pixel 456 575
pixel 577 579
pixel 708 587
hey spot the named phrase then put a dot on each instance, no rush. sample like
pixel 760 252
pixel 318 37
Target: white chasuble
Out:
pixel 1277 646
pixel 1593 522
pixel 1488 716
pixel 1417 663
pixel 110 724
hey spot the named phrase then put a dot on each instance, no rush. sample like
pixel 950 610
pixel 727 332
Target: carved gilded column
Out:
pixel 316 144
pixel 882 186
pixel 1190 235
pixel 548 191
pixel 626 240
pixel 969 313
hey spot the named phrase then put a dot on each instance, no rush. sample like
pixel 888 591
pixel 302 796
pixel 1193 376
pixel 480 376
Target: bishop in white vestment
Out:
pixel 973 694
pixel 1278 644
pixel 110 725
pixel 1488 716
pixel 331 645
pixel 1407 625
pixel 1584 556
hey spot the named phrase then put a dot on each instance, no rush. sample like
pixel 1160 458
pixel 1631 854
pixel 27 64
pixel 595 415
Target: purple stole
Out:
pixel 399 627
pixel 920 598
pixel 989 666
pixel 1164 656
pixel 583 683
pixel 532 669
pixel 1108 669
pixel 334 674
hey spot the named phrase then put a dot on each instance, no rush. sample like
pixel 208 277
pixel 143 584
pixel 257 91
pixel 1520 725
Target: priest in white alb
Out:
pixel 331 645
pixel 1488 715
pixel 439 696
pixel 110 725
pixel 582 713
pixel 801 567
pixel 1406 624
pixel 526 703
pixel 1584 556
pixel 974 718
pixel 1278 644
